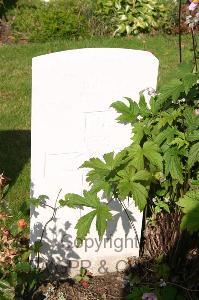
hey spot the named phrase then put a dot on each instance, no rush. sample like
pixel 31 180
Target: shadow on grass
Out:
pixel 14 152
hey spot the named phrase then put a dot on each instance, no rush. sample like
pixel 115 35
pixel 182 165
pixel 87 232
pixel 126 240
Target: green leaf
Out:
pixel 23 267
pixel 103 215
pixel 95 163
pixel 173 164
pixel 172 90
pixel 83 226
pixel 127 186
pixel 189 80
pixel 191 120
pixel 163 205
pixel 165 135
pixel 193 155
pixel 138 131
pixel 136 155
pixel 190 207
pixel 151 152
pixel 128 113
pixel 144 110
pixel 140 195
pixel 193 136
pixel 74 200
pixel 141 175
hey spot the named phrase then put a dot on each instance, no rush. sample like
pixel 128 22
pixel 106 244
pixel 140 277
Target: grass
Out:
pixel 15 96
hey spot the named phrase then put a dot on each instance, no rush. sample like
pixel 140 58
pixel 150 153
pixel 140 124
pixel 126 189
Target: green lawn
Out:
pixel 15 96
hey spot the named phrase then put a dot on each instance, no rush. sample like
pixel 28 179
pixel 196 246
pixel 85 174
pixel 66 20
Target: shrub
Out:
pixel 136 16
pixel 41 21
pixel 159 169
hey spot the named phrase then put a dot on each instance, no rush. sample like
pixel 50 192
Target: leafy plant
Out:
pixel 42 21
pixel 84 277
pixel 135 16
pixel 158 168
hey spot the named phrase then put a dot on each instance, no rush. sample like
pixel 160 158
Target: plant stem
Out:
pixel 44 229
pixel 194 49
pixel 179 29
pixel 130 220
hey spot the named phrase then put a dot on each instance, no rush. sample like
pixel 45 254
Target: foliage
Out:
pixel 17 276
pixel 158 167
pixel 84 277
pixel 41 21
pixel 135 16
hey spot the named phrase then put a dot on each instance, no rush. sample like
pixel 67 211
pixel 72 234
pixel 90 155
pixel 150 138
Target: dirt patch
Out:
pixel 106 287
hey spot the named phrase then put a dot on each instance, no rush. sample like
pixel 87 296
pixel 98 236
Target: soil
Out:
pixel 106 287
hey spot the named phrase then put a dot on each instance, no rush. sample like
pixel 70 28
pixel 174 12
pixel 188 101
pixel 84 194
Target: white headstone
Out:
pixel 72 121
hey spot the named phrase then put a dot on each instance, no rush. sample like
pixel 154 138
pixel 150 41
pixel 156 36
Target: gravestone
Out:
pixel 71 122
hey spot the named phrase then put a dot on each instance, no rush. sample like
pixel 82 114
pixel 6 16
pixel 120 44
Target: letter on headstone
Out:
pixel 71 122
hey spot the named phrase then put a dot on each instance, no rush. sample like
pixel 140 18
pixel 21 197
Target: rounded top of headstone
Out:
pixel 99 52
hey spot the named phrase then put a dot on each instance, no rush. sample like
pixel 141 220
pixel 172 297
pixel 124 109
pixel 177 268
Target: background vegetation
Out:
pixel 36 20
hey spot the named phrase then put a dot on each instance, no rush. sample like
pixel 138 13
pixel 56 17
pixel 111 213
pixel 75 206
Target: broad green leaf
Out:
pixel 136 155
pixel 191 120
pixel 108 157
pixel 23 267
pixel 95 163
pixel 103 215
pixel 139 194
pixel 172 90
pixel 128 113
pixel 74 200
pixel 173 164
pixel 190 207
pixel 151 152
pixel 83 226
pixel 137 190
pixel 193 155
pixel 167 118
pixel 165 135
pixel 189 80
pixel 120 107
pixel 193 136
pixel 144 110
pixel 99 185
pixel 138 133
pixel 163 205
pixel 141 175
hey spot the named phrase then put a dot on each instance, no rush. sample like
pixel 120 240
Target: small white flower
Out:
pixel 162 283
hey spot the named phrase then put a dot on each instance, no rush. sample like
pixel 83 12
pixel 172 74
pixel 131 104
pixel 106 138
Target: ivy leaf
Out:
pixel 193 155
pixel 173 164
pixel 151 152
pixel 190 207
pixel 103 215
pixel 83 226
pixel 128 113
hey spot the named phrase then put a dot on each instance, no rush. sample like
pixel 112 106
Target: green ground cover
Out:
pixel 15 96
